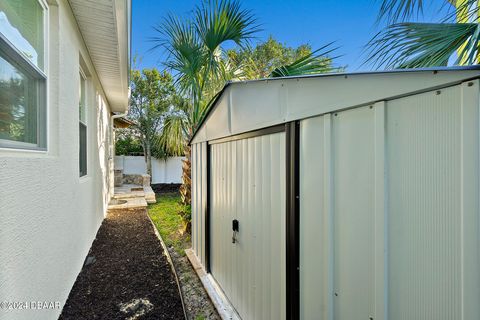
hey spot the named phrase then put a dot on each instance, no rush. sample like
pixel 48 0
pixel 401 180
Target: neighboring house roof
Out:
pixel 122 122
pixel 106 27
pixel 251 105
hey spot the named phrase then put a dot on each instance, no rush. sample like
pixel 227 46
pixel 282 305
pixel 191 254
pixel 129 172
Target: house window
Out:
pixel 22 74
pixel 82 126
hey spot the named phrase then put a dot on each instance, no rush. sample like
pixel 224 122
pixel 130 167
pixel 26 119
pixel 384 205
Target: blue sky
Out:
pixel 349 23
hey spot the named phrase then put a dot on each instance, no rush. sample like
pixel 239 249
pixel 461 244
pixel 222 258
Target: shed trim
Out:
pixel 434 71
pixel 207 210
pixel 250 134
pixel 292 223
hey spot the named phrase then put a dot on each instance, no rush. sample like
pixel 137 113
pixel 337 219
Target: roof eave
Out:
pixel 111 58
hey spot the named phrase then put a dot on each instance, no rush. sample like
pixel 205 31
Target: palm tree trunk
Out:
pixel 148 158
pixel 185 189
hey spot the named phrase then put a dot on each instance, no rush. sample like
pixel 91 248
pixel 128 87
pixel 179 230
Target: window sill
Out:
pixel 16 152
pixel 84 179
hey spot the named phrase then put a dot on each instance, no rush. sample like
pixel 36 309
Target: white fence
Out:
pixel 163 171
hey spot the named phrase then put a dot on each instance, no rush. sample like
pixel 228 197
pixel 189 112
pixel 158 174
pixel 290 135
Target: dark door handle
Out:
pixel 235 229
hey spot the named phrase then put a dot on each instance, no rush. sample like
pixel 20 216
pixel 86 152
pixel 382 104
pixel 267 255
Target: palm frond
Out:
pixel 400 10
pixel 173 136
pixel 220 21
pixel 194 48
pixel 216 22
pixel 416 45
pixel 466 10
pixel 185 55
pixel 182 105
pixel 313 63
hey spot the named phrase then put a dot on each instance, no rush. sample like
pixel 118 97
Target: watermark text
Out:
pixel 29 305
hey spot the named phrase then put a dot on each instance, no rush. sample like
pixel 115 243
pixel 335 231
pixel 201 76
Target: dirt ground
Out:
pixel 197 303
pixel 165 215
pixel 165 187
pixel 126 274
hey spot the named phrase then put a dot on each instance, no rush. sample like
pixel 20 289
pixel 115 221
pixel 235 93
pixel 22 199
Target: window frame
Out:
pixel 84 123
pixel 18 59
pixel 83 77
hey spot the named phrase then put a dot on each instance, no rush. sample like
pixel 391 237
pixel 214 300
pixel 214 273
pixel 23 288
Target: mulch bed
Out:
pixel 126 274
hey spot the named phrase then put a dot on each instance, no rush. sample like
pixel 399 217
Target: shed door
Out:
pixel 247 183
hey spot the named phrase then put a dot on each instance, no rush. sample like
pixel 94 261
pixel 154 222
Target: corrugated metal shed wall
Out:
pixel 389 209
pixel 246 106
pixel 389 212
pixel 316 221
pixel 199 193
pixel 353 207
pixel 431 141
pixel 248 184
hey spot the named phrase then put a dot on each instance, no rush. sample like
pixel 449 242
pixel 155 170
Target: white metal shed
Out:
pixel 356 196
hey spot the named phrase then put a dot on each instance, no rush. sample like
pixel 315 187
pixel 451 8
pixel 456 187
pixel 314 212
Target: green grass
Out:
pixel 165 214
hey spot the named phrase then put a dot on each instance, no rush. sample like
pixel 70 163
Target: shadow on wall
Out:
pixel 103 145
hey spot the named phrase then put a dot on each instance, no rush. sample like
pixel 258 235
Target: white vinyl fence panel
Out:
pixel 163 171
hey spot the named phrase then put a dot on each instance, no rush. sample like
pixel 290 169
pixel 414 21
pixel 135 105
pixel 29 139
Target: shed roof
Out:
pixel 122 122
pixel 251 105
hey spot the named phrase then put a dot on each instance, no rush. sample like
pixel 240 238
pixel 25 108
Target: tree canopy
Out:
pixel 268 56
pixel 404 44
pixel 151 97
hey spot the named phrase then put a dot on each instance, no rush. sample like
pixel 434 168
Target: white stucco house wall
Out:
pixel 64 68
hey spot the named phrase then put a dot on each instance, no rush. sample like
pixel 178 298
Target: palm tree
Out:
pixel 412 45
pixel 194 47
pixel 197 58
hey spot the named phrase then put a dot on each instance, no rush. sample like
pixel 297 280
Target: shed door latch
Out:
pixel 235 230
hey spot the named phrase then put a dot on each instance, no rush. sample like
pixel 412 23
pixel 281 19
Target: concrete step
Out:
pixel 129 203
